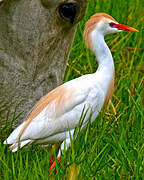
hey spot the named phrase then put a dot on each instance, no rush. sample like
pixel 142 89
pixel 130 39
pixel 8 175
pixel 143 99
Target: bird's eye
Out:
pixel 113 25
pixel 68 11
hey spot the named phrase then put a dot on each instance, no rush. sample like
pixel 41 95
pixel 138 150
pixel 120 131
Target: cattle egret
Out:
pixel 56 115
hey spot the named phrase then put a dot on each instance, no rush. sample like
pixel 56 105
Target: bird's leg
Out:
pixel 56 148
pixel 52 169
pixel 64 146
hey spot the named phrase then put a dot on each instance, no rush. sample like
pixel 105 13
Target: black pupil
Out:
pixel 68 11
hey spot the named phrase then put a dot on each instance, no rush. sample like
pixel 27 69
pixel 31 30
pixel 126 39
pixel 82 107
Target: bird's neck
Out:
pixel 105 72
pixel 102 52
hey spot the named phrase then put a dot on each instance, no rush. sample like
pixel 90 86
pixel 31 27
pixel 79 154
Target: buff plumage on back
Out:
pixel 91 24
pixel 59 96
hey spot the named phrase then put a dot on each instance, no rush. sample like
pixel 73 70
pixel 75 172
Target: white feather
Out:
pixel 13 138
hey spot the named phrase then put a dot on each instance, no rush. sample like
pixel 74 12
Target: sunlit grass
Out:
pixel 113 146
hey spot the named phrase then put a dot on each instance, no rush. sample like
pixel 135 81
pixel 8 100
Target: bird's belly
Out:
pixel 59 137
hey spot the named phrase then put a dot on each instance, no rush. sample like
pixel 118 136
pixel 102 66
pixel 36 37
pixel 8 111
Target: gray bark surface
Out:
pixel 34 47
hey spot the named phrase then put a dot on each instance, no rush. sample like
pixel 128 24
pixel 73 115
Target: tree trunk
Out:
pixel 35 41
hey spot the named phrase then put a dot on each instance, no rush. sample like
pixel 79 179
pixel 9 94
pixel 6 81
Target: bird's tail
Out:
pixel 14 147
pixel 14 136
pixel 14 140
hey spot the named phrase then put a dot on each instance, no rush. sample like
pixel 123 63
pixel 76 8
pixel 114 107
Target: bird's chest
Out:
pixel 92 105
pixel 95 99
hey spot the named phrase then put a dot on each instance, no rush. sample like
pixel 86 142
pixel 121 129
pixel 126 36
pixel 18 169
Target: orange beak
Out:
pixel 125 28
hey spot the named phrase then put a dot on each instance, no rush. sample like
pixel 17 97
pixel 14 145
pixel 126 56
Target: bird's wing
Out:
pixel 57 102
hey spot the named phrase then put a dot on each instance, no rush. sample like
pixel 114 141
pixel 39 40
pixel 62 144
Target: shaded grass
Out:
pixel 113 146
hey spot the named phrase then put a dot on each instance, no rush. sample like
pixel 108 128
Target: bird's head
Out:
pixel 104 24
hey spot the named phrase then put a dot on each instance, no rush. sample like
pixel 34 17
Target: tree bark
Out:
pixel 35 42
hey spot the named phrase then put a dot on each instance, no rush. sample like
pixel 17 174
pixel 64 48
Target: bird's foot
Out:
pixel 52 164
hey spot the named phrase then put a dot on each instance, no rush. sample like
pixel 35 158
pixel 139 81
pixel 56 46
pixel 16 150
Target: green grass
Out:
pixel 113 146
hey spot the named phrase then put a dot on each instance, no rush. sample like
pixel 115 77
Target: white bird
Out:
pixel 57 114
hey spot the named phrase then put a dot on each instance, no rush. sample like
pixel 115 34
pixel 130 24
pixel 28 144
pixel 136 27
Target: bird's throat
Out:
pixel 101 51
pixel 105 71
